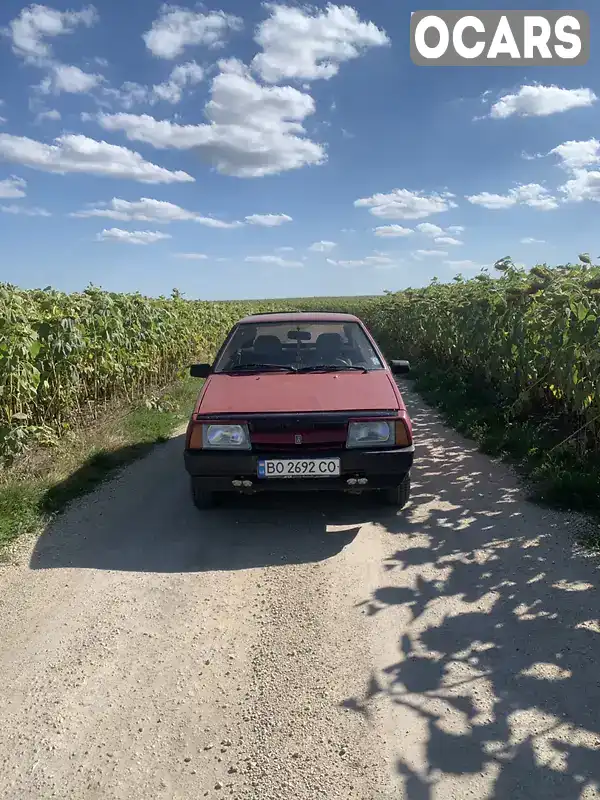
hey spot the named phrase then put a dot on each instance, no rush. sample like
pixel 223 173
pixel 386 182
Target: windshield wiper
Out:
pixel 260 368
pixel 333 368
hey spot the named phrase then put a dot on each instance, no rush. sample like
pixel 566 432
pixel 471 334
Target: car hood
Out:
pixel 290 393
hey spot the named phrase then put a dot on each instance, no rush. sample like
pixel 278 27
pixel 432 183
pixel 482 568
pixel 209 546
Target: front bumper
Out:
pixel 215 471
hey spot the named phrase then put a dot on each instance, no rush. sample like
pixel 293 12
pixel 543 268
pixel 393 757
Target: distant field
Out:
pixel 345 300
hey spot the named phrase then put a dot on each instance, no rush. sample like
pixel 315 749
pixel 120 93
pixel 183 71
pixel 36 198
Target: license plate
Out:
pixel 299 468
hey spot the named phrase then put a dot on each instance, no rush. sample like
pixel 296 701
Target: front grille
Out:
pixel 292 447
pixel 281 435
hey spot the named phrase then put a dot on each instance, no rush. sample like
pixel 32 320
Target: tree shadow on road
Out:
pixel 144 520
pixel 498 668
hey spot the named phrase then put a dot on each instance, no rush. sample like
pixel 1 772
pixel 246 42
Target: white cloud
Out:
pixel 439 235
pixel 398 262
pixel 447 240
pixel 146 209
pixel 253 130
pixel 351 263
pixel 429 229
pixel 131 237
pixel 383 260
pixel 69 79
pixel 392 231
pixel 129 95
pixel 465 264
pixel 267 220
pixel 377 260
pixel 535 196
pixel 455 229
pixel 529 157
pixel 420 254
pixel 191 256
pixel 531 240
pixel 574 155
pixel 211 222
pixel 170 91
pixel 492 201
pixel 36 23
pixel 584 186
pixel 322 247
pixel 52 114
pixel 277 260
pixel 13 187
pixel 28 212
pixel 405 204
pixel 189 74
pixel 79 154
pixel 541 101
pixel 531 194
pixel 284 249
pixel 177 28
pixel 309 43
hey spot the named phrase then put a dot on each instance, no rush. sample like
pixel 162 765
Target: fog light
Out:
pixel 236 483
pixel 351 481
pixel 362 481
pixel 246 483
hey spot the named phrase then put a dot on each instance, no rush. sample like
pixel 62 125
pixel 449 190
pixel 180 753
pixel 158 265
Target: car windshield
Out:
pixel 293 345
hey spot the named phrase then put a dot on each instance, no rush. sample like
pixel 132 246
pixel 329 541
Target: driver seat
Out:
pixel 267 349
pixel 328 348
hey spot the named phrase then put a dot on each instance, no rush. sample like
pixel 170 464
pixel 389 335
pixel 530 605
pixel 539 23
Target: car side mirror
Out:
pixel 200 370
pixel 399 367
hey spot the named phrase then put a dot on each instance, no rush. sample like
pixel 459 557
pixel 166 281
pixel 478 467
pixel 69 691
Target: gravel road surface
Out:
pixel 303 648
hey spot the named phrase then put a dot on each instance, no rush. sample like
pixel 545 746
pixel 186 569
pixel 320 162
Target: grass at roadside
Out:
pixel 44 481
pixel 553 471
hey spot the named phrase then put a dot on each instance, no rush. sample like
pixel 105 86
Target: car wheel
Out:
pixel 201 498
pixel 399 495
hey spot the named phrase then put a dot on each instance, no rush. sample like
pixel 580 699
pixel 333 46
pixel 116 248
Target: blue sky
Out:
pixel 240 150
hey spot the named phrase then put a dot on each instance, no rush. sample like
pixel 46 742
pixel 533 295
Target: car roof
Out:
pixel 303 316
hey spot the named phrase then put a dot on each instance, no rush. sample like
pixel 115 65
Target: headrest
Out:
pixel 267 343
pixel 329 341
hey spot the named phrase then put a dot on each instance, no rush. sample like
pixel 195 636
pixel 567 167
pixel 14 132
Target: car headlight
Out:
pixel 225 437
pixel 364 434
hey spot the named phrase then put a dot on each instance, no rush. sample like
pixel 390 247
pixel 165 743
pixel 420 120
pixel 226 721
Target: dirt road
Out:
pixel 303 648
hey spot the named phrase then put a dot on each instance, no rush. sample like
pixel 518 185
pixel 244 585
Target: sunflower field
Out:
pixel 533 338
pixel 63 357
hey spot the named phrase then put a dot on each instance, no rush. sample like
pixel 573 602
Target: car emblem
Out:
pixel 298 438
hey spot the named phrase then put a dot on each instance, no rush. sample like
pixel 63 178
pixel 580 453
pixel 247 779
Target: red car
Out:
pixel 303 402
